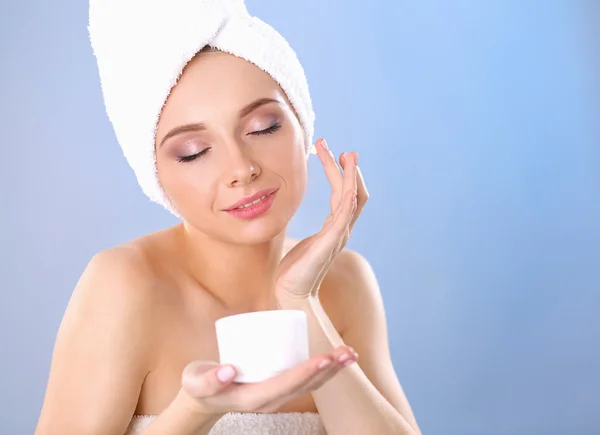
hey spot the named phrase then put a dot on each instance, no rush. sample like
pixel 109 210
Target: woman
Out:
pixel 136 348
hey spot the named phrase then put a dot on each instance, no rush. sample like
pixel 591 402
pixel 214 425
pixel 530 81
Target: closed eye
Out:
pixel 184 159
pixel 270 130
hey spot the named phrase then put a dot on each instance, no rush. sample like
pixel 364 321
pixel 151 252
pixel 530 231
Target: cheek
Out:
pixel 188 189
pixel 290 164
pixel 299 170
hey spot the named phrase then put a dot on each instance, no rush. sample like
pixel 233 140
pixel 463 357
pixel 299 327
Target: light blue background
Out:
pixel 477 126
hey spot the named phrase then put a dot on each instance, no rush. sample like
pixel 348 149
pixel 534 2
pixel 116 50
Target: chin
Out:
pixel 261 229
pixel 239 231
pixel 258 231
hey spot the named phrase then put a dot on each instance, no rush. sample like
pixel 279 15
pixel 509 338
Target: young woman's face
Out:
pixel 227 132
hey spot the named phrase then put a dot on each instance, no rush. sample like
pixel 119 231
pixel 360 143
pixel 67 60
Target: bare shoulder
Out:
pixel 350 265
pixel 113 295
pixel 118 287
pixel 103 346
pixel 118 276
pixel 124 274
pixel 349 284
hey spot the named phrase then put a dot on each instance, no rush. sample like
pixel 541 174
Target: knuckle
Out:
pixel 194 386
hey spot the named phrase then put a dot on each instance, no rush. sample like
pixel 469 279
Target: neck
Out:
pixel 240 277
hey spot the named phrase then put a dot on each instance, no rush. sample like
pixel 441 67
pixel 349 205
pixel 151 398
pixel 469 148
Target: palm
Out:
pixel 291 274
pixel 301 271
pixel 305 265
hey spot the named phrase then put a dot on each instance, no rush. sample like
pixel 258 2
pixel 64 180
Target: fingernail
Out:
pixel 342 359
pixel 347 363
pixel 225 373
pixel 356 158
pixel 324 363
pixel 324 144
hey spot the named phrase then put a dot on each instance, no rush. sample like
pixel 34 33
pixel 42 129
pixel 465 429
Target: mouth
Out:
pixel 252 200
pixel 254 206
pixel 250 204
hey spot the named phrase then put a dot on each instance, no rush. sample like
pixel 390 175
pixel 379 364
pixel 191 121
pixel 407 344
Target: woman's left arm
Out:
pixel 367 397
pixel 364 398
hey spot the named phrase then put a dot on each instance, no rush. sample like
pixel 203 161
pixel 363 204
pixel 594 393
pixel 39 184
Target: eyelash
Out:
pixel 185 159
pixel 269 130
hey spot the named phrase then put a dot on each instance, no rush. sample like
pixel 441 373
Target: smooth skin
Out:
pixel 138 334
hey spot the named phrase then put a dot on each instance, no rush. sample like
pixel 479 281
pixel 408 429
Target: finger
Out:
pixel 350 169
pixel 343 216
pixel 202 379
pixel 362 196
pixel 314 383
pixel 344 353
pixel 362 192
pixel 342 357
pixel 337 364
pixel 347 160
pixel 339 227
pixel 327 222
pixel 332 171
pixel 283 385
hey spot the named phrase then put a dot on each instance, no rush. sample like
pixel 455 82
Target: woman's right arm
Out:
pixel 101 359
pixel 101 354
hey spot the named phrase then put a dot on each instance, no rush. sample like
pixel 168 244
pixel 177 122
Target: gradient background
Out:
pixel 477 123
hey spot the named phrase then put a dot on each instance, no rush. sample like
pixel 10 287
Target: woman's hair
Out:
pixel 208 49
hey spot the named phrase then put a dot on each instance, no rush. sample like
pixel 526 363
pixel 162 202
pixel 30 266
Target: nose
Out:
pixel 239 168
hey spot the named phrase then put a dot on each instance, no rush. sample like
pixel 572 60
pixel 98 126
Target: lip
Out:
pixel 251 198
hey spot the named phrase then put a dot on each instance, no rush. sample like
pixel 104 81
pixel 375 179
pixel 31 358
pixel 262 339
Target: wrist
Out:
pixel 304 303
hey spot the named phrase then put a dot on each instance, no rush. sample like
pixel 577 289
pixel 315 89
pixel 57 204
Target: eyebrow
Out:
pixel 199 126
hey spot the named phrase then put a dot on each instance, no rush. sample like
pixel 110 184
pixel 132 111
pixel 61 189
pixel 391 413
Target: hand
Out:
pixel 302 270
pixel 207 394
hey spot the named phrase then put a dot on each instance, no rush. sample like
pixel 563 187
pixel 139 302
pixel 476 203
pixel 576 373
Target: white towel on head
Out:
pixel 142 46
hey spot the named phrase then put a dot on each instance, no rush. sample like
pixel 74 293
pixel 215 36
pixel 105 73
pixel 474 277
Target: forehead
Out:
pixel 217 81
